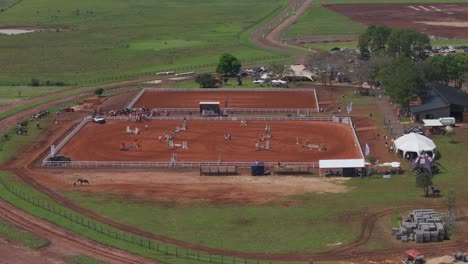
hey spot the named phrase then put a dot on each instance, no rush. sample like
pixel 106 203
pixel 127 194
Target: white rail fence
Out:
pixel 223 118
pixel 69 137
pixel 170 165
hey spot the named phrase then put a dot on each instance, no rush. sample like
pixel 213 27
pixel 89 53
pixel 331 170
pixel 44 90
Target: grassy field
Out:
pixel 110 37
pixel 320 21
pixel 5 4
pixel 309 225
pixel 14 233
pixel 11 94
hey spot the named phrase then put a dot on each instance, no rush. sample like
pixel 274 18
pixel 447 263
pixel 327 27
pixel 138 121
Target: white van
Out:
pixel 447 121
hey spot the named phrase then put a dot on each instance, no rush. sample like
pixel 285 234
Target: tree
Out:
pixel 206 80
pixel 228 65
pixel 402 81
pixel 374 39
pixel 330 66
pixel 35 82
pixel 408 43
pixel 277 70
pixel 99 92
pixel 451 68
pixel 225 80
pixel 424 181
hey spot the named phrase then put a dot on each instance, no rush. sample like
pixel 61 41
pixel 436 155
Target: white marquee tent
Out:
pixel 414 143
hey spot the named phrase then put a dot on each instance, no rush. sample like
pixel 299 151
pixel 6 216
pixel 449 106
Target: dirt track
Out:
pixel 272 40
pixel 66 238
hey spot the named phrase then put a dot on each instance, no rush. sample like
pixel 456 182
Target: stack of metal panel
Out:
pixel 422 226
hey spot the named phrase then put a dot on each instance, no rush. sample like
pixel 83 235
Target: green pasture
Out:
pixel 94 40
pixel 11 94
pixel 4 4
pixel 320 21
pixel 13 233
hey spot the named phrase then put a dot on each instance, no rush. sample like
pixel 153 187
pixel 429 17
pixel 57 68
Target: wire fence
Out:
pixel 159 247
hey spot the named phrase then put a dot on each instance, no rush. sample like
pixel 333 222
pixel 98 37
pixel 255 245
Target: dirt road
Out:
pixel 272 40
pixel 65 238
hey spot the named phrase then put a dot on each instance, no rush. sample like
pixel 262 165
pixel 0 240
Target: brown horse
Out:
pixel 81 181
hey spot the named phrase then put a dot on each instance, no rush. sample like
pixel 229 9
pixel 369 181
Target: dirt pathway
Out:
pixel 272 40
pixel 65 238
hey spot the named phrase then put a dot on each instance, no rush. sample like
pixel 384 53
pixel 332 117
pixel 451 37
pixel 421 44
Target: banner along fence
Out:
pixel 159 247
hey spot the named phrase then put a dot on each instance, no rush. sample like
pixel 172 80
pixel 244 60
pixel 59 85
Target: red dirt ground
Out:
pixel 236 99
pixel 449 20
pixel 102 142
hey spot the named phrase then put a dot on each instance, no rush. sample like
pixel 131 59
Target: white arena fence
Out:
pixel 227 118
pixel 237 110
pixel 168 165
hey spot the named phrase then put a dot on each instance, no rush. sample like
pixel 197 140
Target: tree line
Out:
pixel 398 59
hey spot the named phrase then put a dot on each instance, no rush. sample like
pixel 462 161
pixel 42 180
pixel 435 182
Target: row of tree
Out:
pixel 396 59
pixel 407 43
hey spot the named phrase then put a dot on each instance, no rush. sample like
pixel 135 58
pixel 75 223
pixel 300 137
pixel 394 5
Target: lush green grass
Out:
pixel 151 35
pixel 14 233
pixel 11 94
pixel 320 21
pixel 4 4
pixel 449 42
pixel 82 259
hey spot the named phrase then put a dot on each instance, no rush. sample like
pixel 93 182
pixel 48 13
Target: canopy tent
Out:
pixel 414 143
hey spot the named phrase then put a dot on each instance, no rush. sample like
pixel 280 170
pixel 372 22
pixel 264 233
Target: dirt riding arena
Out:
pixel 251 98
pixel 206 142
pixel 441 20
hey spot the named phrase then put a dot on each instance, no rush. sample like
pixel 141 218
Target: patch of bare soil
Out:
pixel 189 187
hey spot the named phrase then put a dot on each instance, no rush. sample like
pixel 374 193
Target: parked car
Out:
pixel 259 82
pixel 99 120
pixel 465 50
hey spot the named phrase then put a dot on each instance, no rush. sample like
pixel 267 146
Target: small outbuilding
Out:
pixel 414 145
pixel 209 108
pixel 441 101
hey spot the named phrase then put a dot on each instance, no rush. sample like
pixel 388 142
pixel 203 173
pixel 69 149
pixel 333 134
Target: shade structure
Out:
pixel 414 143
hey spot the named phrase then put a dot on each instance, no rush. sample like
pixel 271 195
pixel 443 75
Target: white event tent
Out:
pixel 414 143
